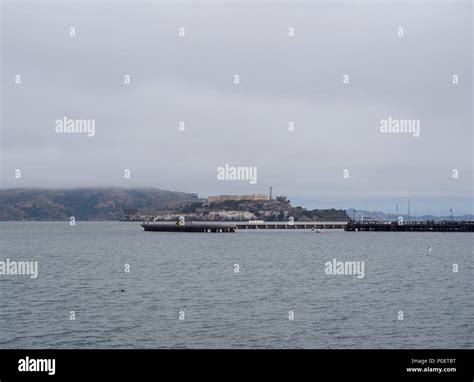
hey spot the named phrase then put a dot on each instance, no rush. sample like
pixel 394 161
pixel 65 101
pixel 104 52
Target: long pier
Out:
pixel 422 226
pixel 226 227
pixel 373 226
pixel 289 226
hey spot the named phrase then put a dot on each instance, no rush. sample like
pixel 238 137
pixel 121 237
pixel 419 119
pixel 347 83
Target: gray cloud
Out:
pixel 282 79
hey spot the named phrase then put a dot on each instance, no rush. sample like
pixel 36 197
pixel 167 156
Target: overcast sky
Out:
pixel 282 79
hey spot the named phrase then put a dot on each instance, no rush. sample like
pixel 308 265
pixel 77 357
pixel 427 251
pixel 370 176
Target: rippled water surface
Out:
pixel 81 269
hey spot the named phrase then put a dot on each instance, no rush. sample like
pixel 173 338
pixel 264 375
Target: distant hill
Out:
pixel 101 204
pixel 85 203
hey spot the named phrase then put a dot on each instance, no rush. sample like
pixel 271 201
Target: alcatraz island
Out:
pixel 237 208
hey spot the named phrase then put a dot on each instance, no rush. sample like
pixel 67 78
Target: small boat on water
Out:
pixel 318 230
